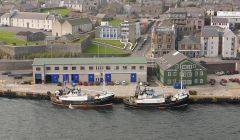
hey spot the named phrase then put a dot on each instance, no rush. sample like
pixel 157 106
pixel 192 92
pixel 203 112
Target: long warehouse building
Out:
pixel 74 70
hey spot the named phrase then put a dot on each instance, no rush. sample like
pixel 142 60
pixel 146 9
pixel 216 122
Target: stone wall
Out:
pixel 55 47
pixel 15 65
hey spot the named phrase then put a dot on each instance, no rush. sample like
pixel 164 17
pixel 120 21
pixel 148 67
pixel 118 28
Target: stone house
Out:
pixel 71 25
pixel 189 46
pixel 163 40
pixel 28 20
pixel 171 66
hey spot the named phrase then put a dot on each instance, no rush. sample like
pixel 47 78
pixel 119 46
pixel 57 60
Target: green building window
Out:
pixel 169 81
pixel 196 73
pixel 201 73
pixel 174 73
pixel 189 74
pixel 201 81
pixel 169 73
pixel 195 81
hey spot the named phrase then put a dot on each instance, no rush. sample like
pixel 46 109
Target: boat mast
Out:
pixel 181 79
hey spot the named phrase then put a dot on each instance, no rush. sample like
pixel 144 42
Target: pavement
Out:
pixel 230 90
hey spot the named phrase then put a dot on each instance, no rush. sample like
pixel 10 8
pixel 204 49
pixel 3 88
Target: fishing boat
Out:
pixel 148 98
pixel 77 98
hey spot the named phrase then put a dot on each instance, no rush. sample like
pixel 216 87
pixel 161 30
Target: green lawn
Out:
pixel 115 22
pixel 47 55
pixel 116 43
pixel 60 11
pixel 93 49
pixel 10 38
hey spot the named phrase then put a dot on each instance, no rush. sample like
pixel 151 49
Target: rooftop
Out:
pixel 75 20
pixel 189 40
pixel 78 61
pixel 219 20
pixel 170 59
pixel 209 31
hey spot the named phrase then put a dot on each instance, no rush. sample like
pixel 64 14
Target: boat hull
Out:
pixel 176 104
pixel 95 103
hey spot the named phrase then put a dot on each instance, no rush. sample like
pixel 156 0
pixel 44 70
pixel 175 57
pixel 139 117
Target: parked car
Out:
pixel 26 82
pixel 232 80
pixel 90 83
pixel 59 84
pixel 80 83
pixel 6 73
pixel 224 80
pixel 117 83
pixel 144 84
pixel 85 83
pixel 212 82
pixel 236 80
pixel 97 83
pixel 124 83
pixel 18 77
pixel 222 83
pixel 110 83
pixel 220 73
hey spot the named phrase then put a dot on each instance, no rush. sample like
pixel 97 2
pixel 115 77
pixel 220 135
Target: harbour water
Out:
pixel 39 120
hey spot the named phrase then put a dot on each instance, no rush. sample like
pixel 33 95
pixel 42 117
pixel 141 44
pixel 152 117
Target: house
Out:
pixel 130 31
pixel 28 20
pixel 126 31
pixel 189 46
pixel 220 21
pixel 171 66
pixel 163 40
pixel 84 5
pixel 75 70
pixel 71 25
pixel 209 42
pixel 233 17
pixel 230 44
pixel 107 31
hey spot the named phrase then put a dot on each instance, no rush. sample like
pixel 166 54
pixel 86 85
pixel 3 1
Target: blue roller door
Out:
pixel 90 77
pixel 108 77
pixel 133 77
pixel 75 78
pixel 38 76
pixel 54 78
pixel 66 78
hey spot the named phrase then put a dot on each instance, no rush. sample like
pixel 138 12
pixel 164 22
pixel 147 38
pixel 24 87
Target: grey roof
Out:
pixel 219 20
pixel 170 59
pixel 73 1
pixel 177 10
pixel 30 15
pixel 189 40
pixel 76 21
pixel 209 31
pixel 195 12
pixel 6 15
pixel 78 61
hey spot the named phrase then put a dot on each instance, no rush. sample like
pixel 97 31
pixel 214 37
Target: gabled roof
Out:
pixel 170 59
pixel 209 31
pixel 75 21
pixel 219 20
pixel 167 61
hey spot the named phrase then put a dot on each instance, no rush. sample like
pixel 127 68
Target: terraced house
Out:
pixel 54 70
pixel 172 65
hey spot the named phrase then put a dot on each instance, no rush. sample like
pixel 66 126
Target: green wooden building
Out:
pixel 170 66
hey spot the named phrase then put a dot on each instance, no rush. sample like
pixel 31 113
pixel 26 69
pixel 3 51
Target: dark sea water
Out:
pixel 39 120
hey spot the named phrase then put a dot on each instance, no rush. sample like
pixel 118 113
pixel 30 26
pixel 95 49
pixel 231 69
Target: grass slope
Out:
pixel 93 49
pixel 116 43
pixel 10 38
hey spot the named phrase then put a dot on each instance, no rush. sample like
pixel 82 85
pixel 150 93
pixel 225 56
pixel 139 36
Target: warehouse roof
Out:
pixel 95 60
